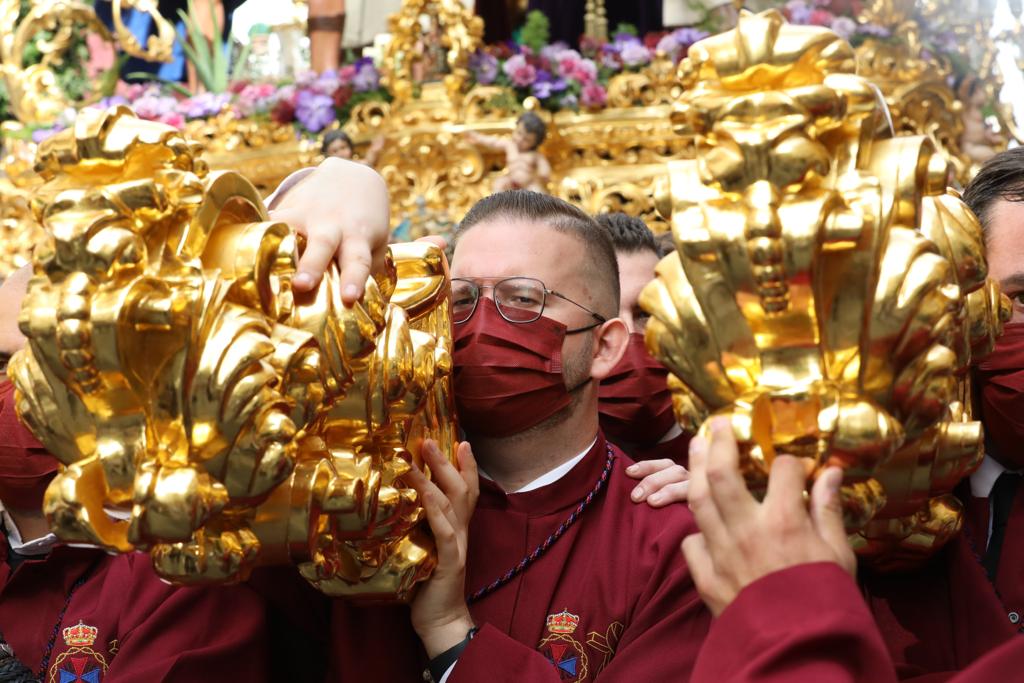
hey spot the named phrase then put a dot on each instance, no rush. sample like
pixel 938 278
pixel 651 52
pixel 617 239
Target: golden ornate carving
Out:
pixel 34 94
pixel 826 294
pixel 173 372
pixel 918 82
pixel 450 25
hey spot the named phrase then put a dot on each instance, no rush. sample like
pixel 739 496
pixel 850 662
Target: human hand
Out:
pixel 742 540
pixel 342 210
pixel 440 614
pixel 663 482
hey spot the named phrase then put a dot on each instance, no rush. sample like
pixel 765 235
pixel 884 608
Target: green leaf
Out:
pixel 172 85
pixel 243 56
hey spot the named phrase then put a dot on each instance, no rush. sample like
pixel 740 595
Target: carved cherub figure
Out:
pixel 526 167
pixel 979 142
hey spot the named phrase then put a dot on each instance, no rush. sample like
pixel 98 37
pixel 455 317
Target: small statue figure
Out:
pixel 429 56
pixel 979 143
pixel 526 168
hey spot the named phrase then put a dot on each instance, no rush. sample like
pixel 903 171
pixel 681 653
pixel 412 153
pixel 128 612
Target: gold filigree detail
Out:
pixel 173 372
pixel 821 291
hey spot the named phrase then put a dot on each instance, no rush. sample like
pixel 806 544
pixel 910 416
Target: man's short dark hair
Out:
pixel 534 125
pixel 1001 177
pixel 600 264
pixel 333 136
pixel 629 233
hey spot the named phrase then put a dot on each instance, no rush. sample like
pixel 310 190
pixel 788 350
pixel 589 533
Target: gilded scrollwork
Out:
pixel 825 294
pixel 173 373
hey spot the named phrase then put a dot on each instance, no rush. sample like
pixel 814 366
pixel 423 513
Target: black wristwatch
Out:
pixel 439 664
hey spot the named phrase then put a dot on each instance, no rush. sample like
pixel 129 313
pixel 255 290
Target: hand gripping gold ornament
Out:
pixel 826 293
pixel 175 375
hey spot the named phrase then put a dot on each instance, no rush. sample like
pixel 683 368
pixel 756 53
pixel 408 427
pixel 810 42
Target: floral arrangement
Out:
pixel 564 78
pixel 843 17
pixel 311 103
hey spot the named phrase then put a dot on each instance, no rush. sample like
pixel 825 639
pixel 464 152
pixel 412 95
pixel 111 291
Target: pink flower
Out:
pixel 347 73
pixel 593 95
pixel 173 119
pixel 585 72
pixel 566 60
pixel 821 17
pixel 519 72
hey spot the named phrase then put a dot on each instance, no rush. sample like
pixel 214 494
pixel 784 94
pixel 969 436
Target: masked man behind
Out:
pixel 634 400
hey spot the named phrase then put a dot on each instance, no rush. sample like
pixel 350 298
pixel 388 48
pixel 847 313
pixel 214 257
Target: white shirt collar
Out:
pixel 34 548
pixel 551 476
pixel 984 478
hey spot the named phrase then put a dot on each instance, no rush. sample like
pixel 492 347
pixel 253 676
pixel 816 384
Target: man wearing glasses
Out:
pixel 559 577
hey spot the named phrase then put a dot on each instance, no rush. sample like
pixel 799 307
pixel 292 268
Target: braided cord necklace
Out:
pixel 550 540
pixel 60 618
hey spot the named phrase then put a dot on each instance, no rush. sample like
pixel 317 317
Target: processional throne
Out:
pixel 826 294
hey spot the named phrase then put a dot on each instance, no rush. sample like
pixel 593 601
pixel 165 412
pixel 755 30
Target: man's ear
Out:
pixel 611 341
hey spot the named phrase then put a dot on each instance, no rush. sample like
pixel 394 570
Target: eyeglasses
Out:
pixel 518 299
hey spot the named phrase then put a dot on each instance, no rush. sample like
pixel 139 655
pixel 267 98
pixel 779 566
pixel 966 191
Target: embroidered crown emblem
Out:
pixel 563 622
pixel 80 635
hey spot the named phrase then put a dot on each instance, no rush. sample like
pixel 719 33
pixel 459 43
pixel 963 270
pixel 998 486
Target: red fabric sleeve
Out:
pixel 805 623
pixel 498 658
pixel 191 635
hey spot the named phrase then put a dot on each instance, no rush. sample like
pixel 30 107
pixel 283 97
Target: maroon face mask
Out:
pixel 508 377
pixel 634 401
pixel 1001 392
pixel 26 468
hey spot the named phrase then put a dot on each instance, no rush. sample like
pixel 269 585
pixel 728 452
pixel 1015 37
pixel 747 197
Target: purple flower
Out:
pixel 484 66
pixel 326 83
pixel 204 105
pixel 668 45
pixel 153 107
pixel 40 134
pixel 313 110
pixel 519 72
pixel 570 101
pixel 550 53
pixel 541 89
pixel 799 12
pixel 610 60
pixel 689 35
pixel 635 54
pixel 625 38
pixel 876 30
pixel 366 78
pixel 112 101
pixel 844 27
pixel 305 79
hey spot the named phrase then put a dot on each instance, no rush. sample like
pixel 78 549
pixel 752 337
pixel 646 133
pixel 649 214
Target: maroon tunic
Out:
pixel 776 633
pixel 941 618
pixel 111 619
pixel 1010 573
pixel 611 600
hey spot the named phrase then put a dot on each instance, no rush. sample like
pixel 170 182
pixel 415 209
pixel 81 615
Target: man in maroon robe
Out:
pixel 634 402
pixel 559 577
pixel 994 495
pixel 778 578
